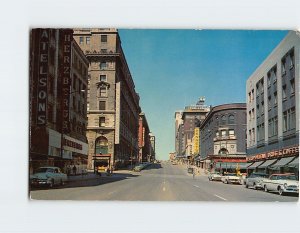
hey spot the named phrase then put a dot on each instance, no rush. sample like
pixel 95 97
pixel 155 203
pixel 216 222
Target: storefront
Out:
pixel 277 161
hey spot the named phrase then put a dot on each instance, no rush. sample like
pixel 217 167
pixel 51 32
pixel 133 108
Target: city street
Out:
pixel 159 182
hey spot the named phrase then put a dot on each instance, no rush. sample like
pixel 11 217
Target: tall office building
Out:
pixel 273 109
pixel 57 111
pixel 113 104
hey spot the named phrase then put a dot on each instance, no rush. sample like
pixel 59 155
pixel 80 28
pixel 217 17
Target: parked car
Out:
pixel 229 178
pixel 255 180
pixel 282 183
pixel 48 176
pixel 138 168
pixel 214 176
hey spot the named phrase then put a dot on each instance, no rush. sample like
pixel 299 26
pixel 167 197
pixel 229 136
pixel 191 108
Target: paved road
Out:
pixel 160 182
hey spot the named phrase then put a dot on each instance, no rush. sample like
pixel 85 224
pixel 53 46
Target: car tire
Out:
pixel 62 183
pixel 266 189
pixel 280 191
pixel 254 186
pixel 246 186
pixel 51 185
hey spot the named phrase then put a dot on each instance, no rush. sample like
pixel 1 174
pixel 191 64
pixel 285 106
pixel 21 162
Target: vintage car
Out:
pixel 229 178
pixel 48 176
pixel 214 176
pixel 255 180
pixel 282 183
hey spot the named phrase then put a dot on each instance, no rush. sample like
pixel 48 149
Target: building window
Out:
pixel 252 113
pixel 102 121
pixel 283 67
pixel 269 80
pixel 262 86
pixel 88 39
pixel 249 97
pixel 103 38
pixel 231 132
pixel 250 137
pixel 292 86
pixel 284 92
pixel 102 105
pixel 103 50
pixel 223 120
pixel 102 78
pixel 103 92
pixel 252 95
pixel 262 108
pixel 102 65
pixel 269 102
pixel 292 118
pixel 217 134
pixel 257 89
pixel 275 98
pixel 285 122
pixel 231 119
pixel 80 40
pixel 292 62
pixel 223 133
pixel 250 116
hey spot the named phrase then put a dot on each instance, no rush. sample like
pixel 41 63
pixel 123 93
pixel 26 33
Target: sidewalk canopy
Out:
pixel 255 165
pixel 294 163
pixel 282 162
pixel 267 163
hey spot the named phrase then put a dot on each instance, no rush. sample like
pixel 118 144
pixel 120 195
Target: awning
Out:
pixel 294 163
pixel 282 162
pixel 267 163
pixel 255 165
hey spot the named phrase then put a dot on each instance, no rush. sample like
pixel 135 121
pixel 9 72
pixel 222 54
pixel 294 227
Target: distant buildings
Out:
pixel 57 105
pixel 152 147
pixel 191 117
pixel 144 140
pixel 273 110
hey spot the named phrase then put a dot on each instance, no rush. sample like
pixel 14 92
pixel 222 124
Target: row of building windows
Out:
pixel 87 39
pixel 225 133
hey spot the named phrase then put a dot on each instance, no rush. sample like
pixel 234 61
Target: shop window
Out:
pixel 101 145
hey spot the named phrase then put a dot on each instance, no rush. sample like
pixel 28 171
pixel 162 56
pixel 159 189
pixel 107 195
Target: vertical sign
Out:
pixel 66 36
pixel 42 76
pixel 196 140
pixel 117 121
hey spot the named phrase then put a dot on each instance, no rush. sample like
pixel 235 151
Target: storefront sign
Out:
pixel 74 145
pixel 42 76
pixel 66 36
pixel 275 154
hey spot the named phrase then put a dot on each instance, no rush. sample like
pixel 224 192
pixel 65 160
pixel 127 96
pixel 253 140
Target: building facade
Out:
pixel 273 109
pixel 152 147
pixel 223 137
pixel 178 133
pixel 144 139
pixel 113 104
pixel 58 84
pixel 192 116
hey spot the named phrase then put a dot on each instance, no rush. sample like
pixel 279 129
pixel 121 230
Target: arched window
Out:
pixel 101 145
pixel 223 151
pixel 223 120
pixel 231 119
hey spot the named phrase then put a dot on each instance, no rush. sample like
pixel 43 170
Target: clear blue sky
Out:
pixel 173 68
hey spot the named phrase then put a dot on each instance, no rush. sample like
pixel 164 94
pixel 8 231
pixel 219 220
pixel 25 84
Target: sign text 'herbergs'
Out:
pixel 42 76
pixel 65 72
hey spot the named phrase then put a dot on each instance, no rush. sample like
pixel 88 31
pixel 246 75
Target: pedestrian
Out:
pixel 193 173
pixel 74 170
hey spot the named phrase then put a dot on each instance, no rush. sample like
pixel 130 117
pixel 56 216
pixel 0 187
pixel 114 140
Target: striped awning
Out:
pixel 294 163
pixel 267 163
pixel 282 162
pixel 255 165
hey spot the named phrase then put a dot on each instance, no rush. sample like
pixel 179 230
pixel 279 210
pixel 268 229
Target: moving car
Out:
pixel 282 183
pixel 229 178
pixel 214 176
pixel 255 180
pixel 48 176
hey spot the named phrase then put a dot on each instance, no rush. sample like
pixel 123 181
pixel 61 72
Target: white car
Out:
pixel 48 176
pixel 255 180
pixel 214 176
pixel 230 178
pixel 282 183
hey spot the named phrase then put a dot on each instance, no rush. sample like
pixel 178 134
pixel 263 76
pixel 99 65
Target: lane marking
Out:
pixel 196 186
pixel 220 197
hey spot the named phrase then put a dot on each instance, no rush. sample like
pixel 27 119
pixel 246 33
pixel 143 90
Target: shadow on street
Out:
pixel 153 166
pixel 86 182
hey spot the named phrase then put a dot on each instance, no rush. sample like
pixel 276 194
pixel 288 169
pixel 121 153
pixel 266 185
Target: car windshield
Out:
pixel 43 170
pixel 231 174
pixel 289 177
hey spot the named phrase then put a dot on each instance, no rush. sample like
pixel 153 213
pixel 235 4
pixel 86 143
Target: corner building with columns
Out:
pixel 113 104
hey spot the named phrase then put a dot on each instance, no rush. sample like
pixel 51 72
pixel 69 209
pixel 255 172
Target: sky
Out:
pixel 171 69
